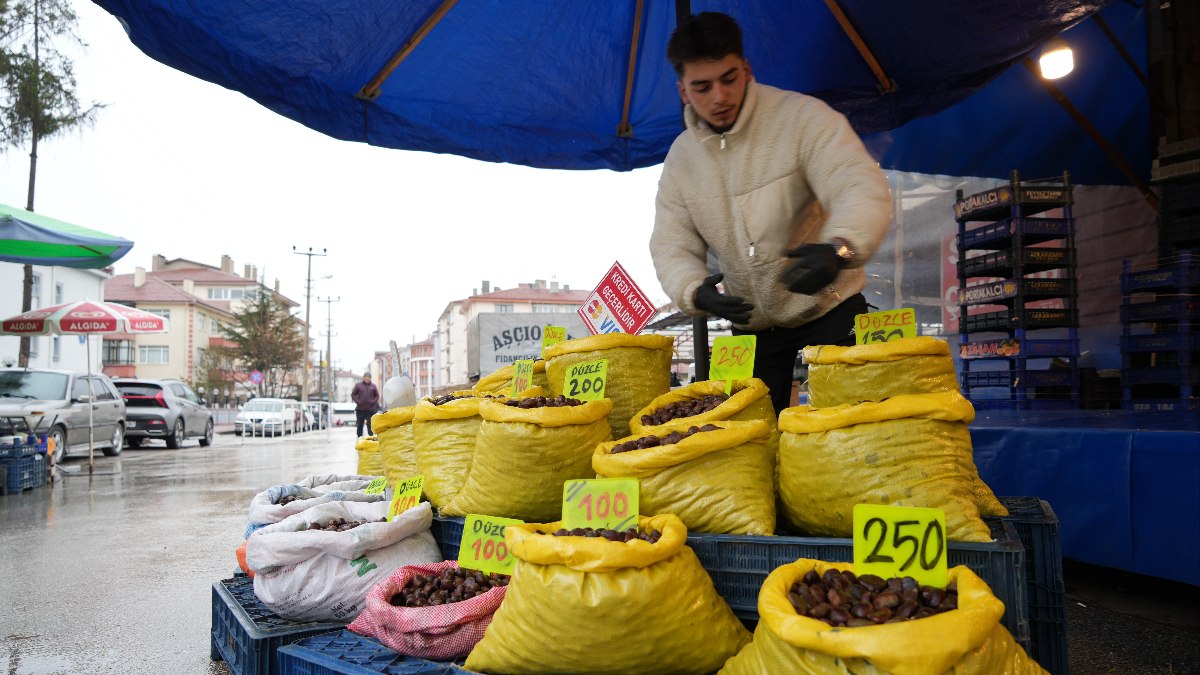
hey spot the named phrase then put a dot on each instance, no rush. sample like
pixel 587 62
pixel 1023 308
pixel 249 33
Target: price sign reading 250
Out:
pixel 585 381
pixel 892 541
pixel 732 358
pixel 601 503
pixel 483 547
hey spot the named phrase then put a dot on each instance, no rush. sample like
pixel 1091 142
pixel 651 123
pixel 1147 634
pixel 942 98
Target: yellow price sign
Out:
pixel 552 335
pixel 376 486
pixel 601 503
pixel 900 541
pixel 405 495
pixel 732 359
pixel 585 381
pixel 522 376
pixel 483 547
pixel 892 324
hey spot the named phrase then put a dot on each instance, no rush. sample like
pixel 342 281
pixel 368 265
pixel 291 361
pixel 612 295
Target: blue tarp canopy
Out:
pixel 544 82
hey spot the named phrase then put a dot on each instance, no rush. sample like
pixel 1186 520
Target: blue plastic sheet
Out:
pixel 1126 497
pixel 543 84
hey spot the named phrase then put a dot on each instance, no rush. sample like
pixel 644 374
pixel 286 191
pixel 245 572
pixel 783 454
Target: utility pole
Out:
pixel 329 345
pixel 307 301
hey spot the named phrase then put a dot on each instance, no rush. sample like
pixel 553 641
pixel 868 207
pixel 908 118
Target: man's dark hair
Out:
pixel 707 36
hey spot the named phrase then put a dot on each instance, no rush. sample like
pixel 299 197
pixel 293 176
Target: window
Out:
pixel 56 347
pixel 247 293
pixel 118 352
pixel 101 391
pixel 80 388
pixel 202 323
pixel 58 296
pixel 164 313
pixel 35 343
pixel 154 354
pixel 504 309
pixel 36 294
pixel 548 308
pixel 32 384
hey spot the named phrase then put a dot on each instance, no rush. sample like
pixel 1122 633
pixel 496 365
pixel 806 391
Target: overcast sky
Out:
pixel 188 169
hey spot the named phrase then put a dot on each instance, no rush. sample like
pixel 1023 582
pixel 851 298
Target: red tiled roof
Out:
pixel 120 289
pixel 539 295
pixel 205 275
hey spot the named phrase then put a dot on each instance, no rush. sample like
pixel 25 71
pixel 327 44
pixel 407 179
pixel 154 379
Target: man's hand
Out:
pixel 730 307
pixel 815 267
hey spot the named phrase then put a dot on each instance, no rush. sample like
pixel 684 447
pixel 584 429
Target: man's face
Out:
pixel 367 379
pixel 716 89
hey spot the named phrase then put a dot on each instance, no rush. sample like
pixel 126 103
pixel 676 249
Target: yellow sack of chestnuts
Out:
pixel 589 605
pixel 639 369
pixel 718 481
pixel 370 460
pixel 444 442
pixel 395 432
pixel 524 455
pixel 969 640
pixel 910 450
pixel 874 372
pixel 499 382
pixel 748 400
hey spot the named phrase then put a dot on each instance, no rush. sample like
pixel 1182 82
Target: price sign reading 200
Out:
pixel 586 381
pixel 600 503
pixel 891 541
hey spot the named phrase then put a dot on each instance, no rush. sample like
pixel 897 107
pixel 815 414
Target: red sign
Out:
pixel 616 304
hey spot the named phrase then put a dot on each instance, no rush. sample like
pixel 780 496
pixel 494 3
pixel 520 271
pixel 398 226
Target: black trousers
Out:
pixel 776 349
pixel 361 416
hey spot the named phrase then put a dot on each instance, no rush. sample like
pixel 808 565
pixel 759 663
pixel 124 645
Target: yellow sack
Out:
pixel 395 432
pixel 718 482
pixel 370 460
pixel 524 455
pixel 589 605
pixel 639 369
pixel 499 382
pixel 910 450
pixel 966 641
pixel 874 372
pixel 444 442
pixel 748 400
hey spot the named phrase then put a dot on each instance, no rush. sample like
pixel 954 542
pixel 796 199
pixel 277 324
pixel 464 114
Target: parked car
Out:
pixel 64 398
pixel 267 416
pixel 343 415
pixel 316 415
pixel 166 409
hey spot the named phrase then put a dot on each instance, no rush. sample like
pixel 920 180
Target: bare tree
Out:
pixel 38 99
pixel 269 339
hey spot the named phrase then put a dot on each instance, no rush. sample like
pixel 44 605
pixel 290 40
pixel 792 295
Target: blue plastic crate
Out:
pixel 247 635
pixel 1162 405
pixel 1058 377
pixel 1031 259
pixel 1032 230
pixel 447 532
pixel 1161 342
pixel 1182 274
pixel 1161 375
pixel 1037 526
pixel 1182 308
pixel 22 473
pixel 739 564
pixel 347 652
pixel 15 451
pixel 1023 404
pixel 1028 317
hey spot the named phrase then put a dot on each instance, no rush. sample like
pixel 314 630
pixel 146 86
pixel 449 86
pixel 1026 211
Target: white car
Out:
pixel 343 415
pixel 267 417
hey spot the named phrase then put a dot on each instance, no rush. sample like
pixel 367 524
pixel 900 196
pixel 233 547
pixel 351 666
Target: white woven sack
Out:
pixel 325 576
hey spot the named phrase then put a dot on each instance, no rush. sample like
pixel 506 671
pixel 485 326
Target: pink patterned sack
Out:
pixel 440 632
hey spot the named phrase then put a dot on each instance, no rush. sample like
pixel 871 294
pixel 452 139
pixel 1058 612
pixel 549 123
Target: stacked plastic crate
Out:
pixel 22 465
pixel 1018 315
pixel 1177 173
pixel 1160 341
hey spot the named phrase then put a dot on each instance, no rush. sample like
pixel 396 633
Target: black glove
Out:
pixel 730 307
pixel 815 267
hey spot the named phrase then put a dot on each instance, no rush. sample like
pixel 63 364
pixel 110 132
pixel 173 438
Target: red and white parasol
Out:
pixel 87 318
pixel 84 317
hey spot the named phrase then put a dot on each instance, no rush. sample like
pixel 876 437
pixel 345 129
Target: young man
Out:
pixel 366 402
pixel 779 187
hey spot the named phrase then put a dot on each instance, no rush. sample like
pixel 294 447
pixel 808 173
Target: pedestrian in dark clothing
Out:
pixel 366 402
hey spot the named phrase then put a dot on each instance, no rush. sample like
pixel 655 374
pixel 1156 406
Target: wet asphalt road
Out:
pixel 113 573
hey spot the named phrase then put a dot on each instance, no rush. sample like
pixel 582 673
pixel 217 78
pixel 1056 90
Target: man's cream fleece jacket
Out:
pixel 791 171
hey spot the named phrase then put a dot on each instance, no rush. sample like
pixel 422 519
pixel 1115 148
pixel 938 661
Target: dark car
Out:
pixel 166 409
pixel 62 404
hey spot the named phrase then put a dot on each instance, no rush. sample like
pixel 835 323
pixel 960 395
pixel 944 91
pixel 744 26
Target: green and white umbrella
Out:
pixel 35 239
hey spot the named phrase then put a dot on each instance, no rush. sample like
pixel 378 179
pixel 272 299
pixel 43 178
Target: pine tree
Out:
pixel 267 338
pixel 38 99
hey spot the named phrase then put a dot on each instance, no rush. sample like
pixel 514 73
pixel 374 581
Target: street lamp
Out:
pixel 307 297
pixel 1056 59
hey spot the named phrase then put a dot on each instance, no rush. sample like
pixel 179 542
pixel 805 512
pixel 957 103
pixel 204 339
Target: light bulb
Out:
pixel 1056 59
